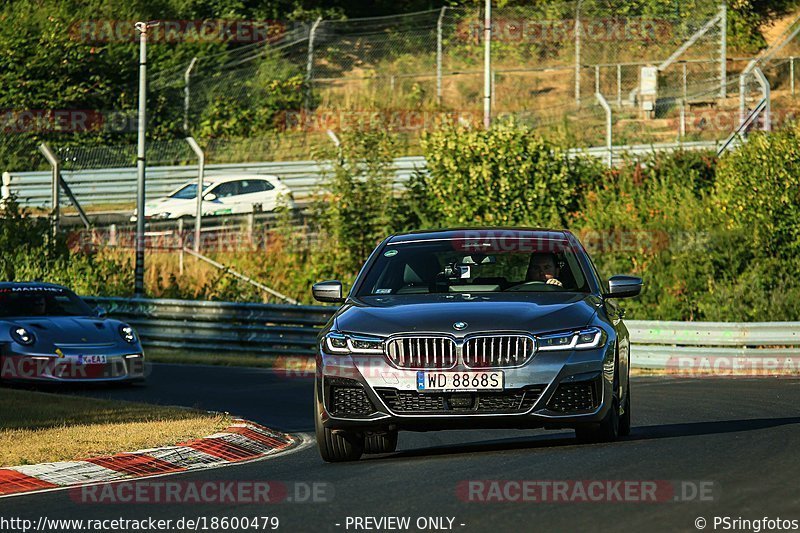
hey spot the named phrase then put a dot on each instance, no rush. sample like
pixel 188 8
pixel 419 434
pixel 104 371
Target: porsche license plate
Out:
pixel 92 360
pixel 459 381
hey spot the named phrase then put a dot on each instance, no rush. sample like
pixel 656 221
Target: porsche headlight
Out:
pixel 22 336
pixel 584 339
pixel 127 333
pixel 339 343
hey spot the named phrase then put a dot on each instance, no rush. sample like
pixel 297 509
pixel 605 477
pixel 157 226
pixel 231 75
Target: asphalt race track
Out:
pixel 739 436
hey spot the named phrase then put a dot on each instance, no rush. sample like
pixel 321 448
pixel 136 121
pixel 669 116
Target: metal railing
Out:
pixel 118 185
pixel 267 329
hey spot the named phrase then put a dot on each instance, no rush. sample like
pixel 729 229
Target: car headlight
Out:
pixel 339 343
pixel 584 339
pixel 22 336
pixel 127 333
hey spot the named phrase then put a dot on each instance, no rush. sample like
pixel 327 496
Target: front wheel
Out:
pixel 336 446
pixel 607 430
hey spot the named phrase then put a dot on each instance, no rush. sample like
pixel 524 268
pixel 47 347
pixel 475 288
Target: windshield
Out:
pixel 446 266
pixel 188 191
pixel 41 301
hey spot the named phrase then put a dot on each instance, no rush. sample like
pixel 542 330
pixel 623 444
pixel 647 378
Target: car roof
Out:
pixel 236 177
pixel 480 233
pixel 30 285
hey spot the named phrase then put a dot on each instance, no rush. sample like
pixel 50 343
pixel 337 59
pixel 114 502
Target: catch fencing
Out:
pixel 274 330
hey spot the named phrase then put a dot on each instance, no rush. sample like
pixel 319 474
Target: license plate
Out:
pixel 92 359
pixel 459 381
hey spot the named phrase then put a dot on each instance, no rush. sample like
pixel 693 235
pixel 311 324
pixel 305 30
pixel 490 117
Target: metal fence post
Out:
pixel 186 94
pixel 201 168
pixel 578 53
pixel 439 56
pixel 597 78
pixel 723 50
pixel 791 73
pixel 619 85
pixel 607 109
pixel 55 165
pixel 180 241
pixel 765 89
pixel 310 62
pixel 487 65
pixel 685 82
pixel 682 131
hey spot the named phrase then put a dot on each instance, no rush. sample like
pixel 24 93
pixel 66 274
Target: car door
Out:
pixel 227 194
pixel 259 194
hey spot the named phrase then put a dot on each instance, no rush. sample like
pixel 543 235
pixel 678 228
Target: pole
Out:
pixel 607 109
pixel 439 56
pixel 138 288
pixel 181 245
pixel 723 50
pixel 578 53
pixel 765 90
pixel 186 95
pixel 55 165
pixel 682 132
pixel 487 65
pixel 791 73
pixel 685 81
pixel 597 78
pixel 310 61
pixel 619 85
pixel 201 169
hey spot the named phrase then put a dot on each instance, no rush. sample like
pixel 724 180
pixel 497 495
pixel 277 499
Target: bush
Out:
pixel 505 176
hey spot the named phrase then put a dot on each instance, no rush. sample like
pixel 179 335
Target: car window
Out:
pixel 41 301
pixel 254 186
pixel 188 191
pixel 227 189
pixel 444 266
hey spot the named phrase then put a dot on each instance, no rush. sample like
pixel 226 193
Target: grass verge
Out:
pixel 39 427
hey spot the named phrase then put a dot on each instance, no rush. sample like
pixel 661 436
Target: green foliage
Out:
pixel 505 176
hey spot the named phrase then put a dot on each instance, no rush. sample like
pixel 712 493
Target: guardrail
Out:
pixel 118 185
pixel 267 329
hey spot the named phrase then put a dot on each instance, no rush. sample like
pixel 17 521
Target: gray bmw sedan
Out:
pixel 472 328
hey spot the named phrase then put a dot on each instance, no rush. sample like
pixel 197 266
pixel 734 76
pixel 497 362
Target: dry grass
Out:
pixel 41 427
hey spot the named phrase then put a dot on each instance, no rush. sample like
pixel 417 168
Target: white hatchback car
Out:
pixel 222 195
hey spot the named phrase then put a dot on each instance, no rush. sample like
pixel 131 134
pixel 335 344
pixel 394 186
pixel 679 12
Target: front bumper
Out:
pixel 553 390
pixel 127 366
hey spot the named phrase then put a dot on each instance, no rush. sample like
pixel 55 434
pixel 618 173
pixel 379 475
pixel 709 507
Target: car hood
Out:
pixel 165 204
pixel 535 313
pixel 65 330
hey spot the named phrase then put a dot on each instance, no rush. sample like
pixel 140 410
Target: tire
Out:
pixel 605 431
pixel 625 419
pixel 339 446
pixel 383 443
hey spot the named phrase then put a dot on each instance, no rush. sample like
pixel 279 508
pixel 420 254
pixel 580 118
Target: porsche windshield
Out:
pixel 445 266
pixel 41 301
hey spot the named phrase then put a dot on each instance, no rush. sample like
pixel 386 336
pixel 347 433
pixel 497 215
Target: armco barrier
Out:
pixel 267 329
pixel 118 185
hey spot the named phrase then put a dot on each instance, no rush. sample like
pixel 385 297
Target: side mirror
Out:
pixel 210 197
pixel 328 291
pixel 100 311
pixel 623 286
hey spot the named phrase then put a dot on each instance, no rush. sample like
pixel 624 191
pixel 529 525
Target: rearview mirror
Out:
pixel 210 197
pixel 623 286
pixel 328 291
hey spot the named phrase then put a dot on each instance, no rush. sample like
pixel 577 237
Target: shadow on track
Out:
pixel 689 429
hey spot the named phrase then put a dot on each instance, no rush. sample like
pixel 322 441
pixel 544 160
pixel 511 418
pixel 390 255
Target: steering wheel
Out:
pixel 540 286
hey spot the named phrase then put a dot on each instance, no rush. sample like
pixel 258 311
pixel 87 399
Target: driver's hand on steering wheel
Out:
pixel 554 281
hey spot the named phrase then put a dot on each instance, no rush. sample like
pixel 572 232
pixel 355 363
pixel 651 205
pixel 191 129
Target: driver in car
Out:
pixel 544 268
